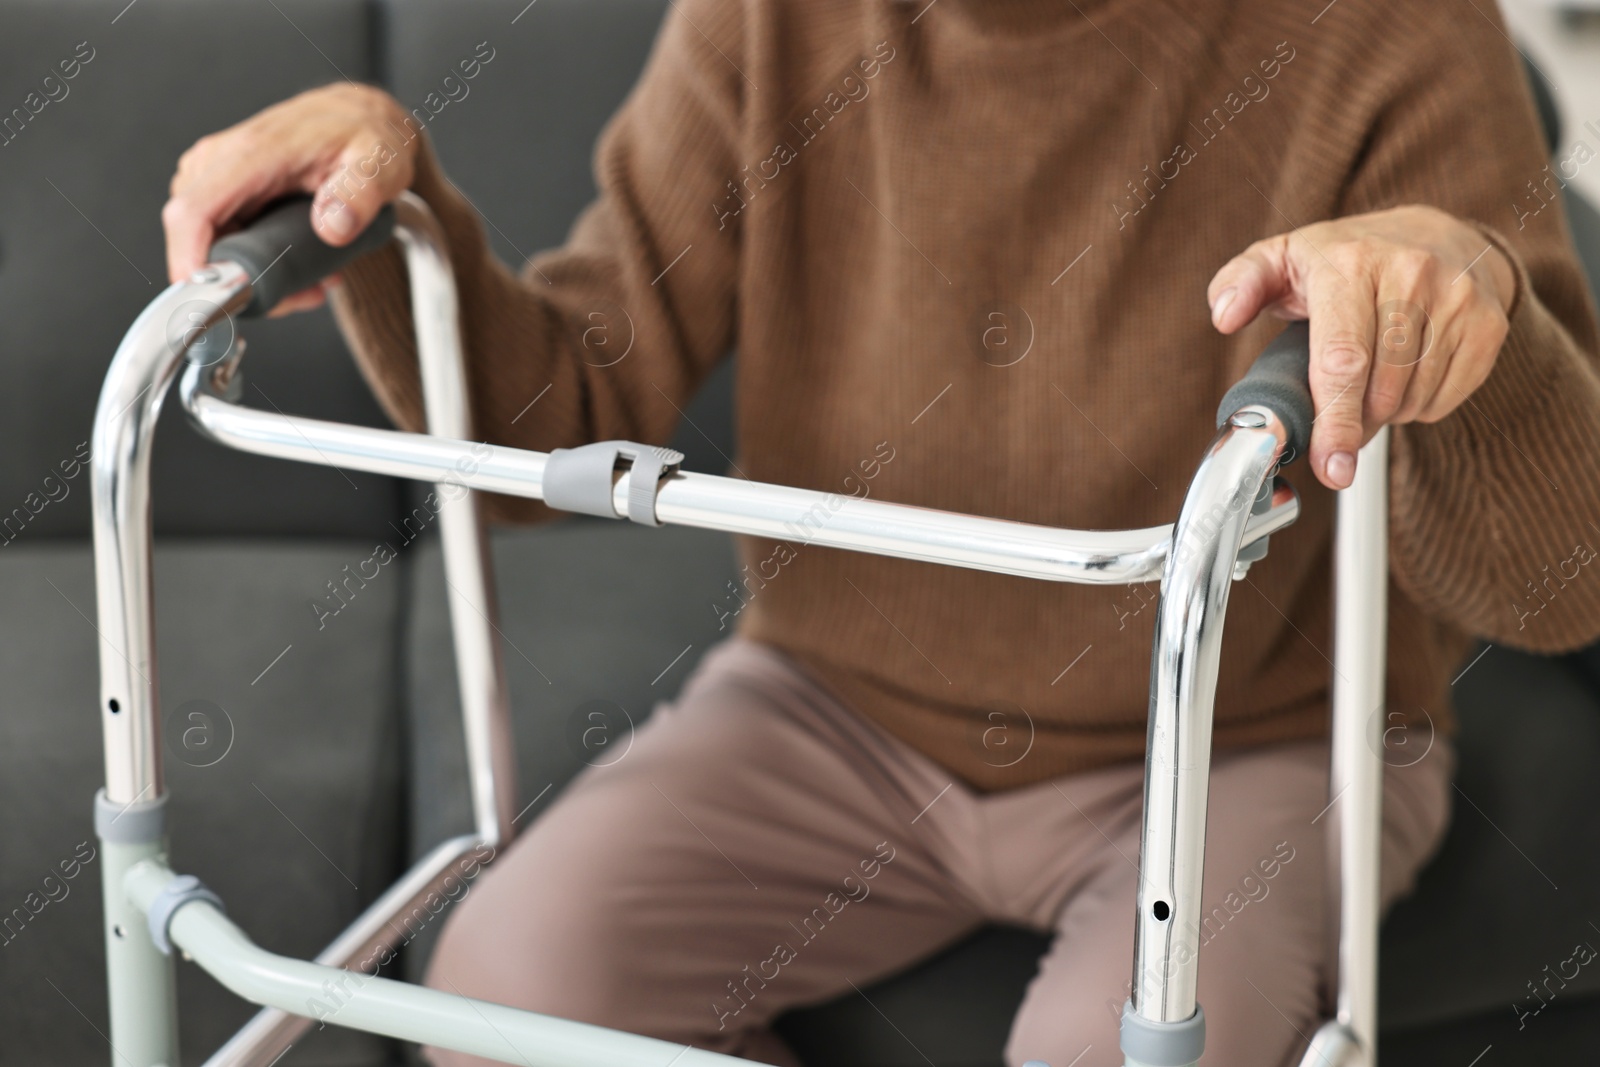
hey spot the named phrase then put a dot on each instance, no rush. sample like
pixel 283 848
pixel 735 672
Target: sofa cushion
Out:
pixel 281 755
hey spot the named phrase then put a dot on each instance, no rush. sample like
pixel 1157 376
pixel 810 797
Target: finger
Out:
pixel 1405 284
pixel 188 235
pixel 201 204
pixel 1427 374
pixel 1483 332
pixel 304 300
pixel 1258 278
pixel 1341 300
pixel 368 176
pixel 1437 336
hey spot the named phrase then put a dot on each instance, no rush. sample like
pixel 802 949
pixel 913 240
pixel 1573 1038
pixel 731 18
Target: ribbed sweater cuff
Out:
pixel 1519 269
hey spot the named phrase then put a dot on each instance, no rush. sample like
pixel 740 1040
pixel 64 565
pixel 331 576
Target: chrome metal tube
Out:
pixel 124 429
pixel 732 505
pixel 1183 679
pixel 469 575
pixel 1360 659
pixel 139 980
pixel 396 1009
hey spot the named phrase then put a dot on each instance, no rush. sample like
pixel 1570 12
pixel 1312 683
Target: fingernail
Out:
pixel 1224 299
pixel 338 220
pixel 1341 469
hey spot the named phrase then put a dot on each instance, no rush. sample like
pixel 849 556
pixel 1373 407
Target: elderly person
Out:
pixel 998 257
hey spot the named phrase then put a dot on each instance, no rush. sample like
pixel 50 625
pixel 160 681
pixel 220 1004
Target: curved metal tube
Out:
pixel 732 505
pixel 1183 681
pixel 119 477
pixel 136 383
pixel 397 1009
pixel 261 1041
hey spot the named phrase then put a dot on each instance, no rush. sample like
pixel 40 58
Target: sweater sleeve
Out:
pixel 607 336
pixel 1494 508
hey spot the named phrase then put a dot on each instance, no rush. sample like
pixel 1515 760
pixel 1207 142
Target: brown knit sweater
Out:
pixel 961 250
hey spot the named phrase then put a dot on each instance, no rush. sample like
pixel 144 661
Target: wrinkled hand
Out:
pixel 340 143
pixel 1408 312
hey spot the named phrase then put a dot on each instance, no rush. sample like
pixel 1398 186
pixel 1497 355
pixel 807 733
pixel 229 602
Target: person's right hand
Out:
pixel 344 144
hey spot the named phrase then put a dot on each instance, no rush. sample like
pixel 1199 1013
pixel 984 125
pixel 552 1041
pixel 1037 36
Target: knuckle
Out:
pixel 245 140
pixel 1413 266
pixel 1258 251
pixel 1384 400
pixel 192 155
pixel 1406 412
pixel 1343 358
pixel 1434 412
pixel 175 212
pixel 1349 256
pixel 1340 433
pixel 1495 328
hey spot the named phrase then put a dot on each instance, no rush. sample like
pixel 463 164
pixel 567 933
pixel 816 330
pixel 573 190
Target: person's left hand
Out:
pixel 1408 310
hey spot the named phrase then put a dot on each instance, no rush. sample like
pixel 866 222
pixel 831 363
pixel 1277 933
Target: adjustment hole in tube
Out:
pixel 113 705
pixel 118 930
pixel 1160 910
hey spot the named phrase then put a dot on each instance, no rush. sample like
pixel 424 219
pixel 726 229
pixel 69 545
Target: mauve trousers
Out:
pixel 759 846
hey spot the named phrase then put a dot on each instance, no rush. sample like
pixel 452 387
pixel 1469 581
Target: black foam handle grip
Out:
pixel 283 254
pixel 1280 381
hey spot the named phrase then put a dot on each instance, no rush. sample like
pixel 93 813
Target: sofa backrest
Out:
pixel 82 182
pixel 84 164
pixel 518 142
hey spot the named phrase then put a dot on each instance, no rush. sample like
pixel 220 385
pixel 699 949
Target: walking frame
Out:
pixel 1234 503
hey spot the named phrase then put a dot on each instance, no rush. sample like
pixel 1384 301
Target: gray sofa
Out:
pixel 308 764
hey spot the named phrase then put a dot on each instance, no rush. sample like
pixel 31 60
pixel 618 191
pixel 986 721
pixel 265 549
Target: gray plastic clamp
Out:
pixel 130 824
pixel 178 892
pixel 1162 1044
pixel 580 479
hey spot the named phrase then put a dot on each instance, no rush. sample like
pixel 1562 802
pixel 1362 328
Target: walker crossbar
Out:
pixel 734 505
pixel 1234 504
